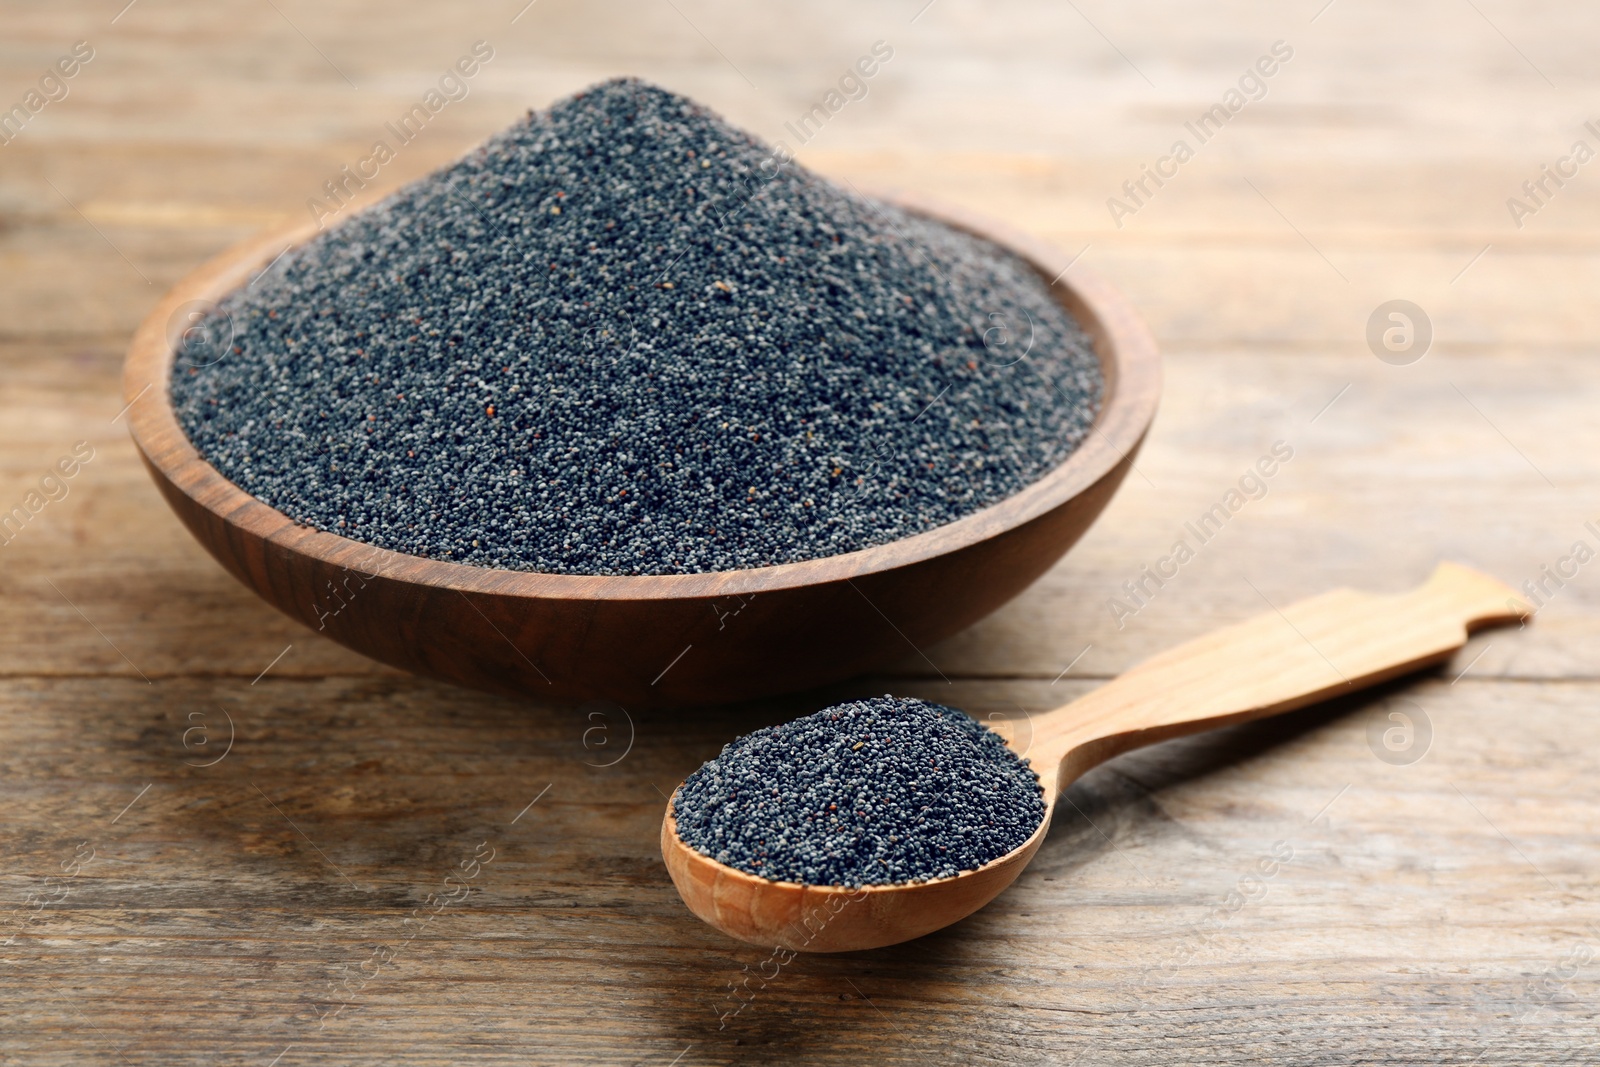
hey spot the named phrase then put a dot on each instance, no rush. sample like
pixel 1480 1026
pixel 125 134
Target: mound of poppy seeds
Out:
pixel 866 793
pixel 624 337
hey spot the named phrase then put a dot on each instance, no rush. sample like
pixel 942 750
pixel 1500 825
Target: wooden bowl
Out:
pixel 667 640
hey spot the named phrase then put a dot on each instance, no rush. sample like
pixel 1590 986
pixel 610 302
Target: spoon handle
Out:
pixel 1314 649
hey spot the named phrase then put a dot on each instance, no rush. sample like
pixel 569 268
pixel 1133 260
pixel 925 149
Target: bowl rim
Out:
pixel 1127 352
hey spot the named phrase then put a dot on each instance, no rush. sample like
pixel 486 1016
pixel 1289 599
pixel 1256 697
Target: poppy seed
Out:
pixel 548 356
pixel 880 791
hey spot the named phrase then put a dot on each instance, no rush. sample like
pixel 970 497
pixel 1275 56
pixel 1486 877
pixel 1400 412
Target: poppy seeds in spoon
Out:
pixel 624 337
pixel 872 792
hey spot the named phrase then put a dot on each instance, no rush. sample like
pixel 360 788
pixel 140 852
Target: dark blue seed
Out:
pixel 616 339
pixel 871 792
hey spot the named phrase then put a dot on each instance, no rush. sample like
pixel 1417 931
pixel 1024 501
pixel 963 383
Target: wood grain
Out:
pixel 1434 912
pixel 1404 926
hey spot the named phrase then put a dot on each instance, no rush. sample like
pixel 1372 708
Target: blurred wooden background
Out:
pixel 167 899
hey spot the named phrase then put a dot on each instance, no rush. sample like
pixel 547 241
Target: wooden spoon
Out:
pixel 1328 645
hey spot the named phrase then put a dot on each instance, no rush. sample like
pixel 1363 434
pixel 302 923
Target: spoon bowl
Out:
pixel 831 918
pixel 1328 645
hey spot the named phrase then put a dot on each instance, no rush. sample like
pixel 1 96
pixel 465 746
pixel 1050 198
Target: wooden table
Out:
pixel 166 898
